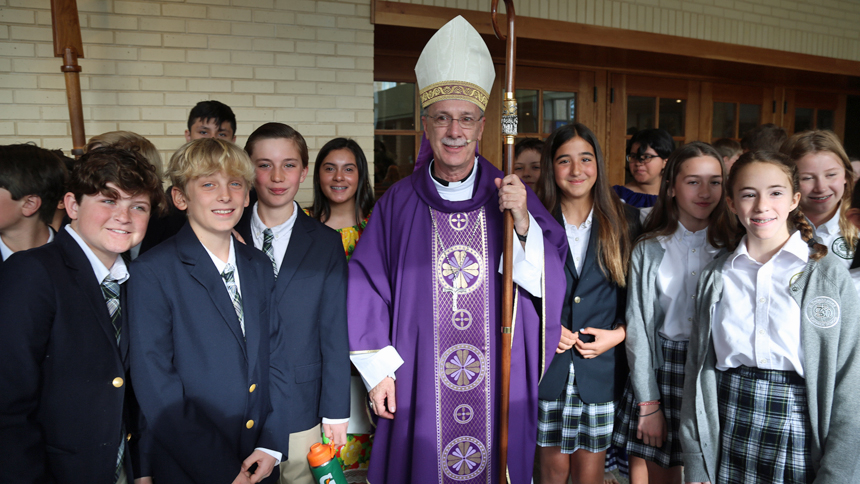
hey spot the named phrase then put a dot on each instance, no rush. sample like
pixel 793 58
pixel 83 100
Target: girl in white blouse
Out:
pixel 826 182
pixel 772 369
pixel 684 232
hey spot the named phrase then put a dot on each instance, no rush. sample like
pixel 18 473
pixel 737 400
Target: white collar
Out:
pixel 831 226
pixel 219 264
pixel 684 235
pixel 118 271
pixel 456 191
pixel 584 225
pixel 257 225
pixel 794 246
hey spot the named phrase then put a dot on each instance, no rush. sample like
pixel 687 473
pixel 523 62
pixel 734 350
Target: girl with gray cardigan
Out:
pixel 773 369
pixel 684 233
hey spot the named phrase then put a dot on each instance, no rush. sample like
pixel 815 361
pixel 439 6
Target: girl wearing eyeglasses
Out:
pixel 647 152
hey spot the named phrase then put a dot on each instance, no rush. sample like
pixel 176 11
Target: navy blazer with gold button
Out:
pixel 203 385
pixel 64 393
pixel 309 300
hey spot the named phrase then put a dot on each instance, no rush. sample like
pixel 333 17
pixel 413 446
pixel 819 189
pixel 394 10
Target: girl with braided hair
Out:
pixel 772 367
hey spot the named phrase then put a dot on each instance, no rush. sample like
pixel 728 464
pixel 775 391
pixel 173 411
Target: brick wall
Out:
pixel 828 28
pixel 301 62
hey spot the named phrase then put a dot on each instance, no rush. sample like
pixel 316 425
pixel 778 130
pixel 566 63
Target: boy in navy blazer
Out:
pixel 309 298
pixel 66 409
pixel 201 332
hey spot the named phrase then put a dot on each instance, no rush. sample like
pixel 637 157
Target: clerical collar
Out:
pixel 456 191
pixel 446 183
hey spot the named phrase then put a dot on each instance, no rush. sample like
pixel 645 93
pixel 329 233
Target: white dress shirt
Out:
pixel 281 233
pixel 5 252
pixel 686 254
pixel 281 240
pixel 117 272
pixel 829 235
pixel 577 239
pixel 527 273
pixel 756 323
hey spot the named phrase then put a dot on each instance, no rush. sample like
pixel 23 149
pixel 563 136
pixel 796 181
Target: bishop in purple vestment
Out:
pixel 425 292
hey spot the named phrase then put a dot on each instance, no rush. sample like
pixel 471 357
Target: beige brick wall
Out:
pixel 301 62
pixel 828 28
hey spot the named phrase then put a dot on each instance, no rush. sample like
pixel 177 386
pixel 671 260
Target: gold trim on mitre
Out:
pixel 459 90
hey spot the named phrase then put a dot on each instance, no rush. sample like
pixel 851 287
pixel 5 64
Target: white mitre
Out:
pixel 455 64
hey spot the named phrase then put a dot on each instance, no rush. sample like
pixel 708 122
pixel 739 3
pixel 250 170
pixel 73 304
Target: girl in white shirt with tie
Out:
pixel 772 369
pixel 687 228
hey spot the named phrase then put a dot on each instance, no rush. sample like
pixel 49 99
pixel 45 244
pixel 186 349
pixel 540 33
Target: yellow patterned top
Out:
pixel 349 235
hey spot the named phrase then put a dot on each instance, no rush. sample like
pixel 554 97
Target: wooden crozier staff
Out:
pixel 509 130
pixel 68 45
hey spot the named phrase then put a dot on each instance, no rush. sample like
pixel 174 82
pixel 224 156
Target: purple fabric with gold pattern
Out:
pixel 425 280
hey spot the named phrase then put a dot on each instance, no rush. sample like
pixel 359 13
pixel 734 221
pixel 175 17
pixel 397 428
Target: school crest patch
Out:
pixel 840 248
pixel 823 312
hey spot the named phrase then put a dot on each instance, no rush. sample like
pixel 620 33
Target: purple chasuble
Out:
pixel 425 280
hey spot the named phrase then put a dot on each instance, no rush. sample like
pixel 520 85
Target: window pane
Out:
pixel 394 105
pixel 673 115
pixel 559 109
pixel 825 119
pixel 527 110
pixel 724 120
pixel 802 119
pixel 750 117
pixel 640 113
pixel 393 159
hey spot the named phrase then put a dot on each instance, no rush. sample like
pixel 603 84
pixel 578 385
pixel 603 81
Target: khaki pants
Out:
pixel 296 470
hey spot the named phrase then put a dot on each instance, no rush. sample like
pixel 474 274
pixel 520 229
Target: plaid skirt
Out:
pixel 670 381
pixel 764 423
pixel 571 424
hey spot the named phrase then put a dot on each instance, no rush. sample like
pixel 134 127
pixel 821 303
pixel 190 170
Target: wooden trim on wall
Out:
pixel 839 116
pixel 706 112
pixel 430 17
pixel 614 149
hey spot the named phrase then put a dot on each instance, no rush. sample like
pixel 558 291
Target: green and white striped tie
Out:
pixel 227 275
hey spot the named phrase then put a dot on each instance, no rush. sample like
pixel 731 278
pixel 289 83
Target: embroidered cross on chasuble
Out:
pixel 461 301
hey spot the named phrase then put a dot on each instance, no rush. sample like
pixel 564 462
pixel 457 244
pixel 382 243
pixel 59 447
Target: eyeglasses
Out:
pixel 644 159
pixel 443 121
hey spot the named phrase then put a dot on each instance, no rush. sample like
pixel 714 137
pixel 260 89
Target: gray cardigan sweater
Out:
pixel 644 319
pixel 830 339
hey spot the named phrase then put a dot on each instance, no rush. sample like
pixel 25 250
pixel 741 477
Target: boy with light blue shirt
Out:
pixel 67 414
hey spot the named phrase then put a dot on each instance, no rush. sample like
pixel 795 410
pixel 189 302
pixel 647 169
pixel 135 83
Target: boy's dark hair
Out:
pixel 767 137
pixel 363 194
pixel 278 131
pixel 727 147
pixel 526 144
pixel 26 169
pixel 658 139
pixel 130 171
pixel 214 110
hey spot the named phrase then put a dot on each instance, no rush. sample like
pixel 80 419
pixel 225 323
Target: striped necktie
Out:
pixel 110 291
pixel 268 237
pixel 227 275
